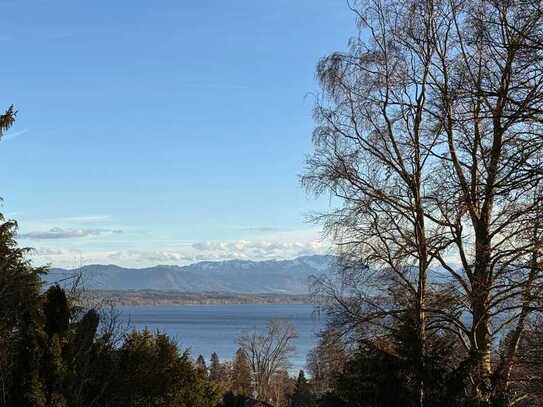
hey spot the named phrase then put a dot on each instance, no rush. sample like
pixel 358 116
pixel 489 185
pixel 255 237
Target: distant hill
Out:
pixel 175 297
pixel 234 276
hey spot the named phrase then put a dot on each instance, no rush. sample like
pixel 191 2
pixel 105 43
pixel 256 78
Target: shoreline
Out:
pixel 170 297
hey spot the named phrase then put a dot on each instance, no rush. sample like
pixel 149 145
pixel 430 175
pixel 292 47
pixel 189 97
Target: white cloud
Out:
pixel 260 249
pixel 92 239
pixel 60 233
pixel 184 254
pixel 46 251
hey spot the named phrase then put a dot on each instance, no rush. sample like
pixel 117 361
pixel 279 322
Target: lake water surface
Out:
pixel 215 328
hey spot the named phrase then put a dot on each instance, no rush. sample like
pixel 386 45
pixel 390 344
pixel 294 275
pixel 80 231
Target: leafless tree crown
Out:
pixel 268 353
pixel 429 134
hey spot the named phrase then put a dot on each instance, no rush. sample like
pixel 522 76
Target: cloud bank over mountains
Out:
pixel 72 241
pixel 184 254
pixel 258 249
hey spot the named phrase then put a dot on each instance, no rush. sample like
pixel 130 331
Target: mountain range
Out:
pixel 234 276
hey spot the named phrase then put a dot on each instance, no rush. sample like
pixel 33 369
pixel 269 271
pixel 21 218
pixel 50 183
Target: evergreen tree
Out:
pixel 152 372
pixel 302 396
pixel 201 367
pixel 215 368
pixel 22 338
pixel 241 374
pixel 232 400
pixel 54 373
pixel 56 311
pixel 81 358
pixel 373 377
pixel 26 387
pixel 95 369
pixel 85 334
pixel 20 283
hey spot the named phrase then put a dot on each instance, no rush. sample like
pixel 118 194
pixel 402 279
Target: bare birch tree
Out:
pixel 429 135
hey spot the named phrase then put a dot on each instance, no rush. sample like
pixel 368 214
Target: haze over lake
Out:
pixel 215 328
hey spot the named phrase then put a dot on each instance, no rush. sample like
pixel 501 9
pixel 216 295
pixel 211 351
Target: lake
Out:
pixel 215 328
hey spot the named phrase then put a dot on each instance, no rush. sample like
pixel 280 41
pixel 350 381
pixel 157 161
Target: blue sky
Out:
pixel 162 132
